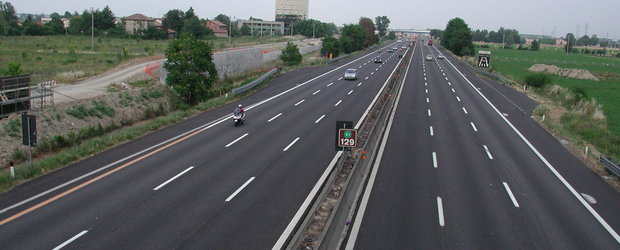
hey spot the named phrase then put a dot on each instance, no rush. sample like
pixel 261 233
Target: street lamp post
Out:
pixel 92 28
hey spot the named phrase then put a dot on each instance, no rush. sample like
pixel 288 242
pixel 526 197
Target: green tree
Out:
pixel 369 31
pixel 223 18
pixel 104 19
pixel 352 38
pixel 55 26
pixel 594 40
pixel 191 71
pixel 245 30
pixel 8 20
pixel 152 33
pixel 290 55
pixel 311 27
pixel 173 19
pixel 436 33
pixel 382 22
pixel 570 42
pixel 391 35
pixel 331 45
pixel 535 45
pixel 30 28
pixel 457 37
pixel 76 25
pixel 14 69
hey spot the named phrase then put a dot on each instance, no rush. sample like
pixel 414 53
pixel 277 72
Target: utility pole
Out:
pixel 313 29
pixel 92 28
pixel 503 40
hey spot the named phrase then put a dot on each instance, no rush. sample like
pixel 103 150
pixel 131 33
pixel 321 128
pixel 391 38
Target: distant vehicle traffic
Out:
pixel 430 42
pixel 429 57
pixel 378 59
pixel 350 74
pixel 440 56
pixel 390 50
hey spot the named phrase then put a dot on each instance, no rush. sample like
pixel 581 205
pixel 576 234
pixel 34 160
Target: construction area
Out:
pixel 18 95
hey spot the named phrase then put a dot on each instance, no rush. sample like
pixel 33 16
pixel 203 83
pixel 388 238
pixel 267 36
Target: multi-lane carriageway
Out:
pixel 202 183
pixel 453 173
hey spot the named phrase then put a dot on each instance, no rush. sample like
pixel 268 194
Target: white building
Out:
pixel 289 11
pixel 263 28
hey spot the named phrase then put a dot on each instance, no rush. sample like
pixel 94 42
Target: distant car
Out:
pixel 390 50
pixel 350 74
pixel 429 57
pixel 440 56
pixel 378 59
pixel 395 48
pixel 403 47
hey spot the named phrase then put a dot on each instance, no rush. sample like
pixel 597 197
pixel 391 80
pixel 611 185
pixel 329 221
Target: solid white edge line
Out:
pixel 300 102
pixel 320 118
pixel 273 118
pixel 442 222
pixel 338 103
pixel 512 197
pixel 373 175
pixel 290 144
pixel 570 188
pixel 474 126
pixel 173 178
pixel 315 92
pixel 488 152
pixel 435 165
pixel 71 240
pixel 239 190
pixel 236 140
pixel 201 127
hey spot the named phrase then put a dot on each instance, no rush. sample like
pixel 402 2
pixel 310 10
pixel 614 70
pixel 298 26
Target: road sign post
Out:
pixel 347 138
pixel 484 58
pixel 29 133
pixel 342 125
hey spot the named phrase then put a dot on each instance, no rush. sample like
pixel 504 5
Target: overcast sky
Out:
pixel 527 16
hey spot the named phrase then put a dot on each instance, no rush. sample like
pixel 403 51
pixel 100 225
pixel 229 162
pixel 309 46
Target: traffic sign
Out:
pixel 484 58
pixel 347 138
pixel 341 125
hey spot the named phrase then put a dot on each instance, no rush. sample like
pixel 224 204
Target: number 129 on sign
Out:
pixel 347 138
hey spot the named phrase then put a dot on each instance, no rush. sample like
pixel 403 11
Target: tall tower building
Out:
pixel 289 11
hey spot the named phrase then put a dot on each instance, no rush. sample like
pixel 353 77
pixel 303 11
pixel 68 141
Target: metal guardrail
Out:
pixel 610 165
pixel 253 84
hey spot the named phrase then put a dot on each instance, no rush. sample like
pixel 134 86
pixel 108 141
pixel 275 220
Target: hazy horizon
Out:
pixel 542 17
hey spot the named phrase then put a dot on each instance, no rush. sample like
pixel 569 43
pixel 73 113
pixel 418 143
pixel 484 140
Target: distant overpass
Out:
pixel 412 31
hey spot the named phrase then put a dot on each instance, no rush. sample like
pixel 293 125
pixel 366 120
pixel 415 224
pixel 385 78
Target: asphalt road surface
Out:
pixel 203 183
pixel 460 173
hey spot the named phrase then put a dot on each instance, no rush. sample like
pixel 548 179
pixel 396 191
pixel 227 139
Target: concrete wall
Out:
pixel 237 61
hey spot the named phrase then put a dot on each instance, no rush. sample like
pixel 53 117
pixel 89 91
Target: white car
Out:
pixel 429 57
pixel 440 56
pixel 350 74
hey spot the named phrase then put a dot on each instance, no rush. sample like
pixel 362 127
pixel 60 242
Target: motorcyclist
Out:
pixel 240 111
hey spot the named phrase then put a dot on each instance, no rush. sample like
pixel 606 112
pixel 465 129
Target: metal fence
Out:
pixel 610 165
pixel 253 84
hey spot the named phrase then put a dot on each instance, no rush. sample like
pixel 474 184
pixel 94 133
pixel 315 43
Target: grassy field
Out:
pixel 514 64
pixel 68 59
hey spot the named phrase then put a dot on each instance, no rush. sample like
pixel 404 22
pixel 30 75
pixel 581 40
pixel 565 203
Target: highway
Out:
pixel 465 167
pixel 202 183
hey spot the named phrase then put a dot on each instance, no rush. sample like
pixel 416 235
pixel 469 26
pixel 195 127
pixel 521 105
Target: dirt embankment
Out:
pixel 572 73
pixel 69 119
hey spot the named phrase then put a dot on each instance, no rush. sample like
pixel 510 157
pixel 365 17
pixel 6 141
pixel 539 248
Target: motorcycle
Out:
pixel 238 118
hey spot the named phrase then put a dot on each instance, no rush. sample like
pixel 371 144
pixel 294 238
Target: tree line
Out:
pixel 355 37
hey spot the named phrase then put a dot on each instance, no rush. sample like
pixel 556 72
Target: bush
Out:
pixel 538 80
pixel 290 55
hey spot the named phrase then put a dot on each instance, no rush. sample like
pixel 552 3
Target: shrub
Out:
pixel 538 80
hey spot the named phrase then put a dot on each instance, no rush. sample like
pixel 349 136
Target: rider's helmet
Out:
pixel 240 106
